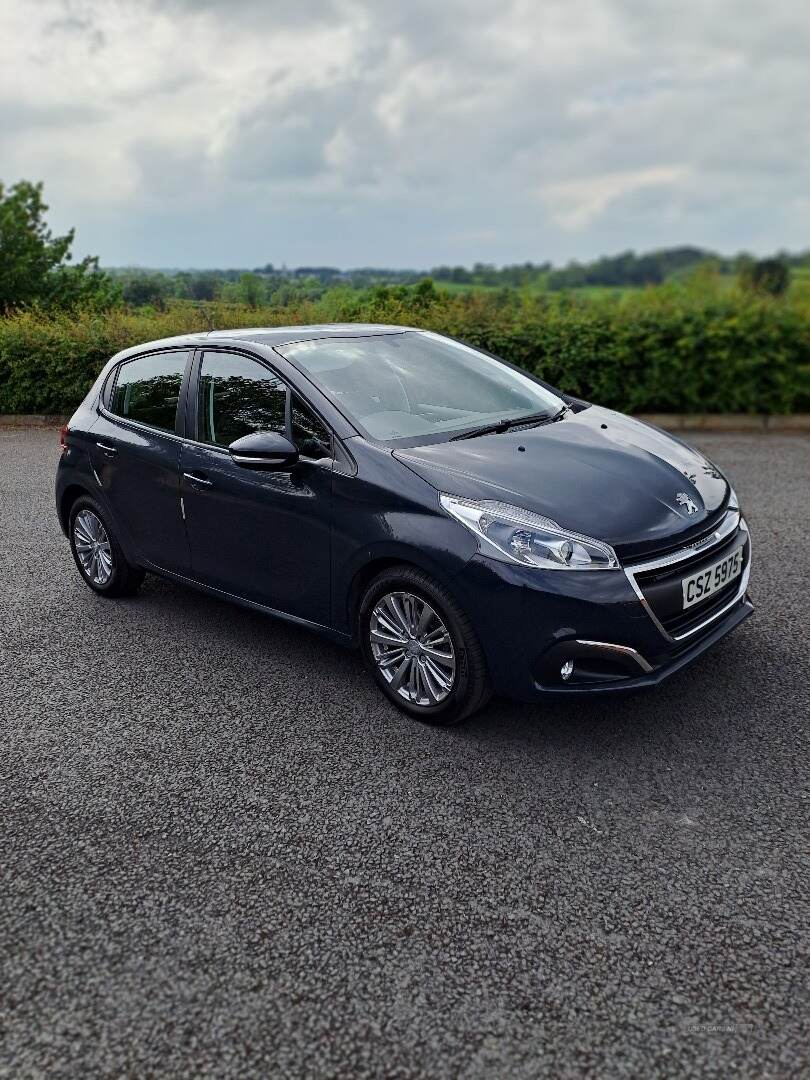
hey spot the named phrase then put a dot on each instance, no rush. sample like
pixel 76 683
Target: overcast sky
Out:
pixel 409 132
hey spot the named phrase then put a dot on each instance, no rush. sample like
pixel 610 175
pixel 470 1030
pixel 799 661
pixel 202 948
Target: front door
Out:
pixel 263 536
pixel 135 453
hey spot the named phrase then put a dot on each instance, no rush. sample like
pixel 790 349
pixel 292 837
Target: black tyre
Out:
pixel 421 648
pixel 98 554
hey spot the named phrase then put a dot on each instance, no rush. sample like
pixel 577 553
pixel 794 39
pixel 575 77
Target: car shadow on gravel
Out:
pixel 701 701
pixel 704 699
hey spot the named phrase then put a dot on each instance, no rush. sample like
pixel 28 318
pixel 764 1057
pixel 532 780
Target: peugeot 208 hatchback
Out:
pixel 468 526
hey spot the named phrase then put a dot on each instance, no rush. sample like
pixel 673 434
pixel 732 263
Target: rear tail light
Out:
pixel 63 434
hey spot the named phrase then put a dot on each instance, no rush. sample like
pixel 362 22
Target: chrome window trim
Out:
pixel 125 422
pixel 136 424
pixel 732 521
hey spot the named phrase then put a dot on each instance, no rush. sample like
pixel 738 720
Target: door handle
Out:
pixel 195 479
pixel 106 449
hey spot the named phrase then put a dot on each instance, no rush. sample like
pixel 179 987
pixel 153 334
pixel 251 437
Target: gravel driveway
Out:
pixel 222 853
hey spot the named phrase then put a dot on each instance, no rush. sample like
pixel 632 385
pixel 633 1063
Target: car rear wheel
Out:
pixel 421 648
pixel 97 553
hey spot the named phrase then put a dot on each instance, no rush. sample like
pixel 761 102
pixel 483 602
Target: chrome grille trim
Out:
pixel 701 547
pixel 730 523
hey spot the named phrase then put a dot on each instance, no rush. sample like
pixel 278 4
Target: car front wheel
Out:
pixel 421 648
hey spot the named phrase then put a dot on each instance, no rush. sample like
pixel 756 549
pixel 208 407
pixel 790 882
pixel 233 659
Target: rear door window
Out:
pixel 147 389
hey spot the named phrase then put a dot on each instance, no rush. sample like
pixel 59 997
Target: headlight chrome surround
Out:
pixel 512 534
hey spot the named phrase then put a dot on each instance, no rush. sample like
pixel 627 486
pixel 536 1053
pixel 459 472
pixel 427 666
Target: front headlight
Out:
pixel 514 535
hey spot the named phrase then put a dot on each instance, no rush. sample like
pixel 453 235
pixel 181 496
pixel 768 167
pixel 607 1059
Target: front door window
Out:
pixel 238 396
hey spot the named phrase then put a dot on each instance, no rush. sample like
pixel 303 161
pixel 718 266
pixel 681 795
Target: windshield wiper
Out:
pixel 504 425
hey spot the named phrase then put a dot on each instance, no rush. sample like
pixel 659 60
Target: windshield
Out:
pixel 402 386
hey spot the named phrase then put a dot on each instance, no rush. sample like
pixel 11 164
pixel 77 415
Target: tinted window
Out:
pixel 238 396
pixel 148 389
pixel 409 384
pixel 309 433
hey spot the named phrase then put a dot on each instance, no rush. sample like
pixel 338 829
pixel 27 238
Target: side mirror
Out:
pixel 264 450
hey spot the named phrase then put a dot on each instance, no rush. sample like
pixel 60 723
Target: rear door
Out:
pixel 263 536
pixel 135 451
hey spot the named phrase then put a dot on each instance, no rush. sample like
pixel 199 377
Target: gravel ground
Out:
pixel 222 853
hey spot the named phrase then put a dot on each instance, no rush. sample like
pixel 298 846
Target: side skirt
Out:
pixel 181 579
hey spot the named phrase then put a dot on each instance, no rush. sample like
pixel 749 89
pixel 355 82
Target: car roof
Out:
pixel 283 335
pixel 261 335
pixel 267 335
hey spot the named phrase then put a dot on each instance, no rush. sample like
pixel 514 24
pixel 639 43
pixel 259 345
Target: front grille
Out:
pixel 694 616
pixel 662 590
pixel 669 547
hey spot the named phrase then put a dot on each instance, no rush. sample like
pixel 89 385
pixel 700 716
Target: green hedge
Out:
pixel 665 349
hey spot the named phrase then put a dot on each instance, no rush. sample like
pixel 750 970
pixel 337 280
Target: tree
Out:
pixel 34 264
pixel 250 289
pixel 197 285
pixel 769 276
pixel 140 289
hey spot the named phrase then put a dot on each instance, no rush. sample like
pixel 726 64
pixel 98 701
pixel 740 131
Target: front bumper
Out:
pixel 598 623
pixel 600 661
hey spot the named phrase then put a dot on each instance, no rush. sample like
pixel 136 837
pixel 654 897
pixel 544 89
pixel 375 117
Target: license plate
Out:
pixel 701 586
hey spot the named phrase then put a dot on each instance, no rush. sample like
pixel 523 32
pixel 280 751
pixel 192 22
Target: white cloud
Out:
pixel 575 204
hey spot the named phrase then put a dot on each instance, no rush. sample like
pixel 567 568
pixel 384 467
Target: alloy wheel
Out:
pixel 412 648
pixel 93 547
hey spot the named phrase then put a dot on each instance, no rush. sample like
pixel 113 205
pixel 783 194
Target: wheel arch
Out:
pixel 365 574
pixel 66 500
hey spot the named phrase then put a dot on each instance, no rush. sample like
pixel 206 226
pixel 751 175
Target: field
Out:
pixel 584 292
pixel 799 287
pixel 800 283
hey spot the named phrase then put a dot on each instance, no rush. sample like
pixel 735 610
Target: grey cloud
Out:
pixel 287 140
pixel 21 116
pixel 532 130
pixel 75 18
pixel 261 13
pixel 168 171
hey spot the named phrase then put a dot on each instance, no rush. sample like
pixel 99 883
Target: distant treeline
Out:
pixel 624 270
pixel 265 284
pixel 37 271
pixel 270 283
